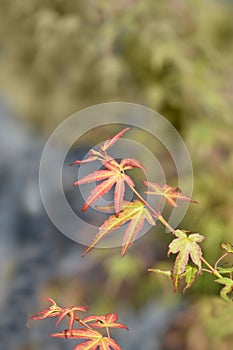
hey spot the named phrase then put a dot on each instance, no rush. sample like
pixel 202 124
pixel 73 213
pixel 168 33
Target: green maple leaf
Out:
pixel 228 247
pixel 166 273
pixel 189 276
pixel 187 248
pixel 225 270
pixel 227 291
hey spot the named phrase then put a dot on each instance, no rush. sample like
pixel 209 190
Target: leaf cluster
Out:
pixel 84 329
pixel 189 261
pixel 153 51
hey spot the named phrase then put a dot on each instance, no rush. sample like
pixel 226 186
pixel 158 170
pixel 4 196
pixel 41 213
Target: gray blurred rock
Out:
pixel 31 250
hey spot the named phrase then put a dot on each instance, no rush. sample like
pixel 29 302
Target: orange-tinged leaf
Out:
pixel 128 180
pixel 186 247
pixel 106 343
pixel 55 310
pixel 99 191
pixel 97 175
pixel 135 212
pixel 131 232
pixel 95 340
pixel 120 191
pixel 111 164
pixel 105 321
pixel 101 154
pixel 110 142
pixel 171 194
pixel 72 313
pixel 111 207
pixel 119 194
pixel 84 161
pixel 129 163
pixel 114 177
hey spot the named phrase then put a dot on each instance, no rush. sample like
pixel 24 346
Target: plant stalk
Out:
pixel 214 272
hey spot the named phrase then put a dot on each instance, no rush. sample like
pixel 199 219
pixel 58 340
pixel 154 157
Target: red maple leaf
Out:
pixel 113 174
pixel 101 153
pixel 169 193
pixel 114 177
pixel 95 340
pixel 105 321
pixel 111 140
pixel 55 310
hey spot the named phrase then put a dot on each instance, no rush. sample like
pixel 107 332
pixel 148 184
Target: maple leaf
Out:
pixel 136 213
pixel 101 153
pixel 113 174
pixel 110 142
pixel 130 163
pixel 55 310
pixel 186 247
pixel 106 321
pixel 84 161
pixel 169 193
pixel 114 177
pixel 227 246
pixel 227 291
pixel 95 340
pixel 189 276
pixel 161 272
pixel 72 313
pixel 225 270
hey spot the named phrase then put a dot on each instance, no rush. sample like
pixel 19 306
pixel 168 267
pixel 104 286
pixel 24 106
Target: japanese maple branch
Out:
pixel 159 217
pixel 212 270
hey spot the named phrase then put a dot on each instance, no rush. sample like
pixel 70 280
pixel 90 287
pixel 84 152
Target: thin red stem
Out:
pixel 218 261
pixel 108 333
pixel 83 323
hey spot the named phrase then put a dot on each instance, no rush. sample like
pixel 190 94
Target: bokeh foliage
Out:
pixel 58 56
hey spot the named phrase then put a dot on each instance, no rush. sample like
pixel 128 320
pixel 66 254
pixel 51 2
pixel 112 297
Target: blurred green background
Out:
pixel 174 56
